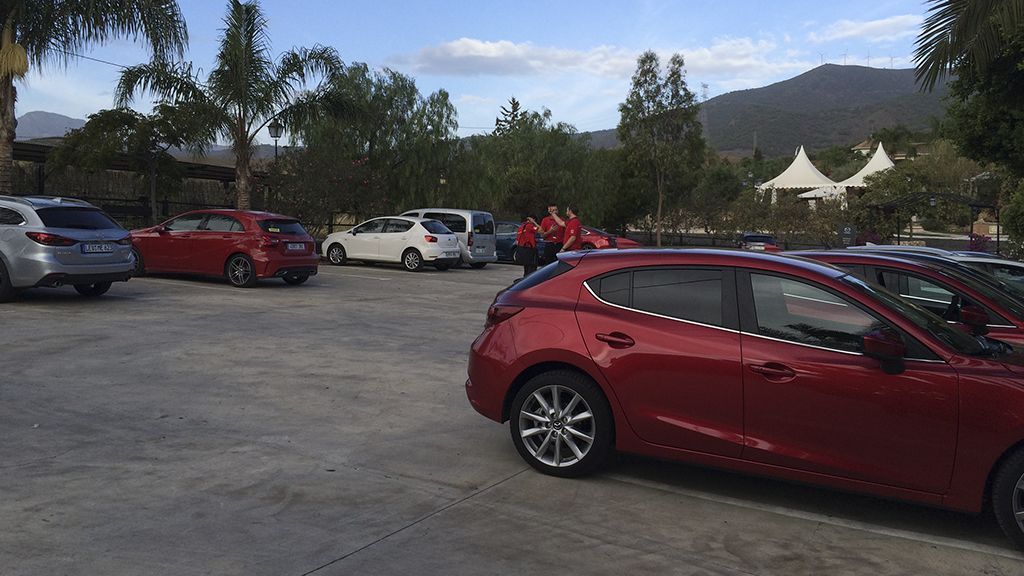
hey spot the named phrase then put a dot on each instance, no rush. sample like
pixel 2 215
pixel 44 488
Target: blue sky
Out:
pixel 572 57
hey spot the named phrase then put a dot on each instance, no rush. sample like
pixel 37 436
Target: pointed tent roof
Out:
pixel 879 162
pixel 800 174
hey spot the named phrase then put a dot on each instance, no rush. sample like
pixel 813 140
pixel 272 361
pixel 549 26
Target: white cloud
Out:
pixel 473 57
pixel 875 31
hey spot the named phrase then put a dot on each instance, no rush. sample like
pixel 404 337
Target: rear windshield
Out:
pixel 80 218
pixel 546 273
pixel 435 227
pixel 282 226
pixel 483 224
pixel 454 222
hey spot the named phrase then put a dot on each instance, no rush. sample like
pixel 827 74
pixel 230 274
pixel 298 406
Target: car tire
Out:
pixel 442 267
pixel 7 291
pixel 93 290
pixel 336 255
pixel 240 271
pixel 295 279
pixel 514 257
pixel 478 265
pixel 588 246
pixel 140 264
pixel 547 441
pixel 412 260
pixel 1008 497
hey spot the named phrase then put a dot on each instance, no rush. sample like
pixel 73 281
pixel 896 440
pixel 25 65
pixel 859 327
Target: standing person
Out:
pixel 573 234
pixel 551 229
pixel 526 246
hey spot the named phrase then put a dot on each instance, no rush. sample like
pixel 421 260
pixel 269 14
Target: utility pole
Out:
pixel 844 58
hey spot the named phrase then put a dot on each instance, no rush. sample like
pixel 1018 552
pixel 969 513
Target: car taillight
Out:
pixel 429 238
pixel 469 240
pixel 50 239
pixel 268 241
pixel 498 313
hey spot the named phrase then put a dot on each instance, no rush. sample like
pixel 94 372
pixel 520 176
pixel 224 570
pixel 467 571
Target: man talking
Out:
pixel 572 235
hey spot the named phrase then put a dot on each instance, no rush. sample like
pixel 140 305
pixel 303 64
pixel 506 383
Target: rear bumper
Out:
pixel 470 257
pixel 276 266
pixel 57 279
pixel 285 271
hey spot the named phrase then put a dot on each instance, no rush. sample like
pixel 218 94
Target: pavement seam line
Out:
pixel 417 521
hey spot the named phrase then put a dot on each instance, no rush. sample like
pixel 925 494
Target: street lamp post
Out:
pixel 275 127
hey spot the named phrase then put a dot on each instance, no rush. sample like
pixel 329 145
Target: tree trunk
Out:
pixel 243 177
pixel 152 192
pixel 8 126
pixel 661 197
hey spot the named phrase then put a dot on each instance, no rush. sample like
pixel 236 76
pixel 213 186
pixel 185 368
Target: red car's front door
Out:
pixel 171 247
pixel 814 402
pixel 663 338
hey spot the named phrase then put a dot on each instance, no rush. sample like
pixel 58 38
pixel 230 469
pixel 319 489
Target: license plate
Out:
pixel 296 246
pixel 451 254
pixel 480 250
pixel 97 248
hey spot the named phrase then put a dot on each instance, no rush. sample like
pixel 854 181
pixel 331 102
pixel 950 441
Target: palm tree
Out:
pixel 245 90
pixel 51 32
pixel 964 35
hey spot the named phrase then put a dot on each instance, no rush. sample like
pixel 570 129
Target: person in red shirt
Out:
pixel 551 228
pixel 526 246
pixel 573 235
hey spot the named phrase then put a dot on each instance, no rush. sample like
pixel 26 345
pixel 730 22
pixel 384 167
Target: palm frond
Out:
pixel 169 81
pixel 243 76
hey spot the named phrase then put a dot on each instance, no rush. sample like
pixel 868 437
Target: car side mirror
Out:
pixel 886 347
pixel 975 318
pixel 352 231
pixel 160 228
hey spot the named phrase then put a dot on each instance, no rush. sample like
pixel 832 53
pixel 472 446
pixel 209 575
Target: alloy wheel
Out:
pixel 240 271
pixel 335 255
pixel 1018 502
pixel 412 260
pixel 557 426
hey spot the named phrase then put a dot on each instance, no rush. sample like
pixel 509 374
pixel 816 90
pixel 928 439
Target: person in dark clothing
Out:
pixel 526 246
pixel 551 229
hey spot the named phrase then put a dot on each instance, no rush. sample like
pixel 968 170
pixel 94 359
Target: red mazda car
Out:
pixel 940 289
pixel 241 245
pixel 597 239
pixel 754 362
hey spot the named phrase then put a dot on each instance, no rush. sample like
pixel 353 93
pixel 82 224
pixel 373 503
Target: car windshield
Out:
pixel 80 218
pixel 282 227
pixel 937 327
pixel 435 227
pixel 1006 296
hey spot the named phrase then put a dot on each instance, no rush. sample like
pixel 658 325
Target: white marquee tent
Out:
pixel 879 161
pixel 800 174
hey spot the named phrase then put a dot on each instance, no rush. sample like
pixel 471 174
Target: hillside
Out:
pixel 828 106
pixel 45 125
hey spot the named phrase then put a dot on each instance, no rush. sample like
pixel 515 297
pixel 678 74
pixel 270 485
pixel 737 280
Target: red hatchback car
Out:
pixel 597 239
pixel 759 363
pixel 943 291
pixel 240 245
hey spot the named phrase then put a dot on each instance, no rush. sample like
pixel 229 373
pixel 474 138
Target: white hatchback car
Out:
pixel 411 241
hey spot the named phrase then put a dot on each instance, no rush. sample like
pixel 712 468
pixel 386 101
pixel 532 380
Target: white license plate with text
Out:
pixel 296 246
pixel 97 248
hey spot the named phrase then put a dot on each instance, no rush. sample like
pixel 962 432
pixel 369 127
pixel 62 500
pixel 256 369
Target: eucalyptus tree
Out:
pixel 246 89
pixel 660 130
pixel 41 33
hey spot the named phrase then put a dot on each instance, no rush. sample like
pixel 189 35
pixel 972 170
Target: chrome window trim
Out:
pixel 843 304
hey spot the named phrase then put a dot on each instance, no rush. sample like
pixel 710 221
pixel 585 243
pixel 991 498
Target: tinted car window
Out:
pixel 1008 273
pixel 616 288
pixel 435 227
pixel 483 224
pixel 680 293
pixel 546 273
pixel 454 222
pixel 81 218
pixel 10 217
pixel 396 226
pixel 185 223
pixel 506 228
pixel 797 312
pixel 222 223
pixel 279 226
pixel 370 227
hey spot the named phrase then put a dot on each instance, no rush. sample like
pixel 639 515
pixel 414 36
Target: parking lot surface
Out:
pixel 181 426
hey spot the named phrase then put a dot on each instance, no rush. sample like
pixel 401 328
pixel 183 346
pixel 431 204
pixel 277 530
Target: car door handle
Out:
pixel 616 339
pixel 773 371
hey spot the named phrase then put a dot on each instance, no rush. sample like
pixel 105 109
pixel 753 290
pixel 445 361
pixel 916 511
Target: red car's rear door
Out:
pixel 221 236
pixel 664 339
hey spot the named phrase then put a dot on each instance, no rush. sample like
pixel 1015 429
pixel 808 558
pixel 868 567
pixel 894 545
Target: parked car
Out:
pixel 410 241
pixel 240 245
pixel 505 240
pixel 1009 271
pixel 51 242
pixel 758 363
pixel 943 290
pixel 597 239
pixel 757 241
pixel 473 228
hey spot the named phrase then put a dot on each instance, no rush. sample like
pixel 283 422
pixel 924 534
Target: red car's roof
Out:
pixel 254 214
pixel 708 256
